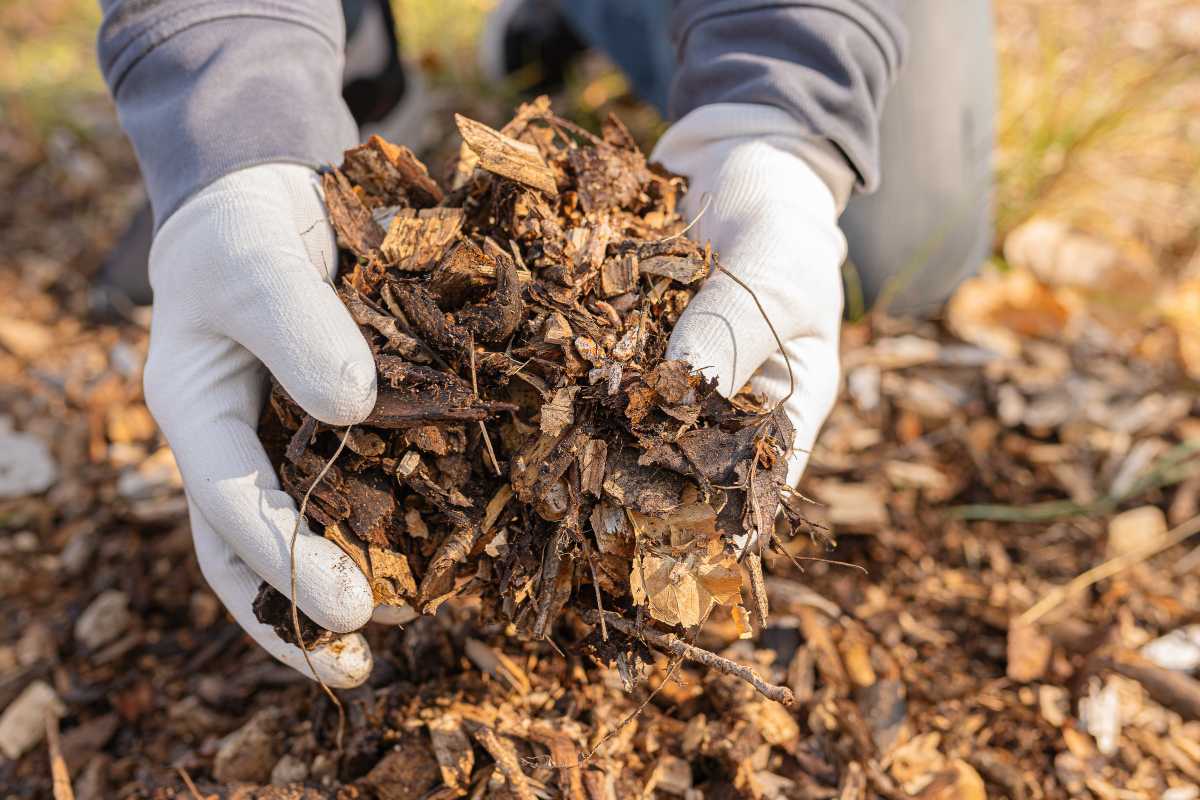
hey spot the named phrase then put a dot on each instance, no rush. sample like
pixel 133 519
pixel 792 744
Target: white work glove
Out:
pixel 773 220
pixel 241 276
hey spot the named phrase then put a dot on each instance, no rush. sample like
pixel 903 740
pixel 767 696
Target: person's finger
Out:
pixel 786 252
pixel 815 371
pixel 341 664
pixel 267 290
pixel 206 393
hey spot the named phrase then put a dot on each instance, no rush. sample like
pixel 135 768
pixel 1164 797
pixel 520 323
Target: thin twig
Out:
pixel 690 225
pixel 295 609
pixel 187 781
pixel 60 777
pixel 777 545
pixel 599 605
pixel 487 440
pixel 673 664
pixel 1108 569
pixel 673 645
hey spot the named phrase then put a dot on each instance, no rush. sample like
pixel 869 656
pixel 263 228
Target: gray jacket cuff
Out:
pixel 207 87
pixel 828 63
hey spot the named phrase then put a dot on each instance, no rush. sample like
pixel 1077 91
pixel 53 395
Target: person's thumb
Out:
pixel 262 239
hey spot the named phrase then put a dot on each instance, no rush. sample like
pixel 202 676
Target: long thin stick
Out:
pixel 189 783
pixel 487 440
pixel 599 604
pixel 1106 570
pixel 295 609
pixel 59 776
pixel 675 646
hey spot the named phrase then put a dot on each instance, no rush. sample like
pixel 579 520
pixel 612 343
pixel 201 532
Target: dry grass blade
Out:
pixel 1108 569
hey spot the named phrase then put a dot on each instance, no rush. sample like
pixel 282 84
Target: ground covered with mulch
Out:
pixel 1006 609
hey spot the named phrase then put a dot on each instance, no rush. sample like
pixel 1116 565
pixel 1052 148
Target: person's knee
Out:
pixel 914 270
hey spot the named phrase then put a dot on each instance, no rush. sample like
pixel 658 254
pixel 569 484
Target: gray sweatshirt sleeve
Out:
pixel 829 63
pixel 206 87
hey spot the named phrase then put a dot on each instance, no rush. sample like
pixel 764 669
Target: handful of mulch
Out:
pixel 531 446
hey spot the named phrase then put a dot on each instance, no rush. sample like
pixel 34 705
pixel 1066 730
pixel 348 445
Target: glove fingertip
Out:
pixel 345 663
pixel 344 601
pixel 348 398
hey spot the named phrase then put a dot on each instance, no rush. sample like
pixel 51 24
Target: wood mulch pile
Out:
pixel 1010 609
pixel 530 445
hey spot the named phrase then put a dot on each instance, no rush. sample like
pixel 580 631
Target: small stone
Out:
pixel 1177 650
pixel 23 723
pixel 104 620
pixel 131 423
pixel 1029 652
pixel 323 766
pixel 155 476
pixel 26 466
pixel 92 783
pixel 24 338
pixel 78 551
pixel 248 754
pixel 1136 528
pixel 36 644
pixel 672 775
pixel 288 769
pixel 204 609
pixel 25 542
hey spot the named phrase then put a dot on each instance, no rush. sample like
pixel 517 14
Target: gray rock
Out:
pixel 23 723
pixel 249 753
pixel 26 466
pixel 104 620
pixel 288 769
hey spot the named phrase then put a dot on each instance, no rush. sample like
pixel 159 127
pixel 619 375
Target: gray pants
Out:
pixel 930 224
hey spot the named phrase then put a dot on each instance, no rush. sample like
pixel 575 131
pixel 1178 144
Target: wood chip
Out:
pixel 506 156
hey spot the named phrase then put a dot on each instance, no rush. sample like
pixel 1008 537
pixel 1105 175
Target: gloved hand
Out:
pixel 241 276
pixel 774 197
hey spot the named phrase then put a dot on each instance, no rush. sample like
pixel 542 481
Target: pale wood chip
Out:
pixel 506 156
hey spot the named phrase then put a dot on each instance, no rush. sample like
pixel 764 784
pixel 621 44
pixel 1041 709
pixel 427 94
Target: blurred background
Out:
pixel 977 463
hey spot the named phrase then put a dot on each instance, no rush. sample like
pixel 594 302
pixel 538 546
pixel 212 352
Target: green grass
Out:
pixel 1085 116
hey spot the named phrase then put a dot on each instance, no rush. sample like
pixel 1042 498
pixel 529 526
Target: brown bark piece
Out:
pixel 422 312
pixel 619 274
pixel 408 770
pixel 453 751
pixel 371 506
pixel 391 173
pixel 356 229
pixel 678 268
pixel 496 319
